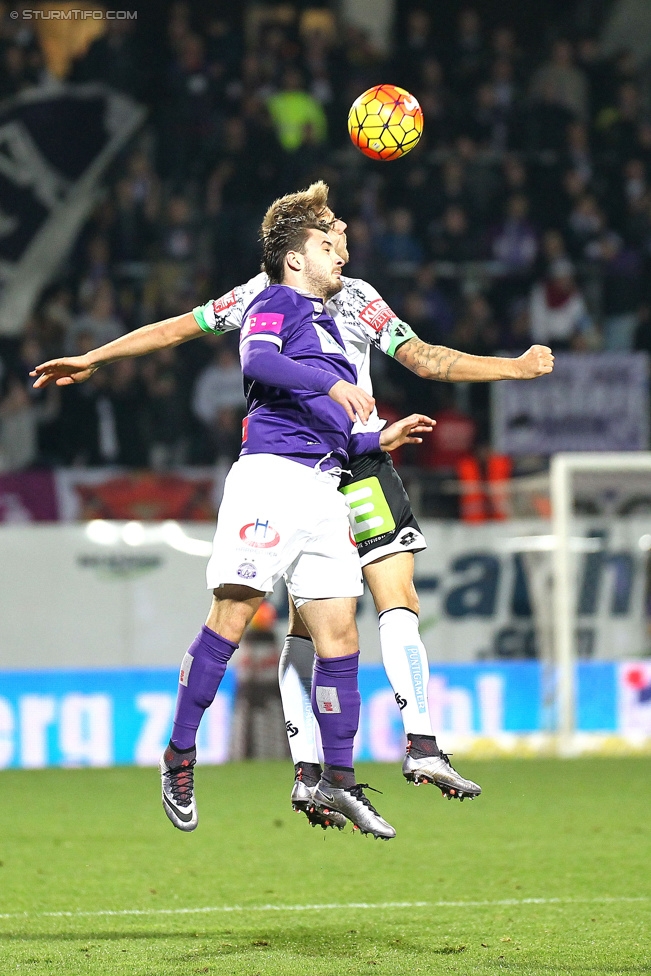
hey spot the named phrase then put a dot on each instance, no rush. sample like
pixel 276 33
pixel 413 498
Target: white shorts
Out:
pixel 279 518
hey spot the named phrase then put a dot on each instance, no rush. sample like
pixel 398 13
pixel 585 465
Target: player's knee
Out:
pixel 398 596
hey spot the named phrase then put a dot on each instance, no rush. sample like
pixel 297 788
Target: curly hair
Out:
pixel 306 204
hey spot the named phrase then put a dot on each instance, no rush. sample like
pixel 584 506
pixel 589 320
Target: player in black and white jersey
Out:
pixel 385 529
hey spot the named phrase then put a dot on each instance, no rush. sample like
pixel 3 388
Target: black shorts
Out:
pixel 381 517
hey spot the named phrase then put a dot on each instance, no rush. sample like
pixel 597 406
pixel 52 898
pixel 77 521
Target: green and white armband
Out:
pixel 398 333
pixel 204 316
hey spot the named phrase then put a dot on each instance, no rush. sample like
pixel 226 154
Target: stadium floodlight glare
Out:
pixel 101 532
pixel 133 533
pixel 563 467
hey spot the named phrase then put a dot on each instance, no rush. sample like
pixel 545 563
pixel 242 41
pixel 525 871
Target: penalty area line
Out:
pixel 359 905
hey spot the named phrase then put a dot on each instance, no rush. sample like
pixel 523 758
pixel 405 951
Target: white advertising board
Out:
pixel 134 595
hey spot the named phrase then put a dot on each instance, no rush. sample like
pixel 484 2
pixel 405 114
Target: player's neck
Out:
pixel 299 284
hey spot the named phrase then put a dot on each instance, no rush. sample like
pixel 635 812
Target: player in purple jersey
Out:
pixel 364 320
pixel 283 516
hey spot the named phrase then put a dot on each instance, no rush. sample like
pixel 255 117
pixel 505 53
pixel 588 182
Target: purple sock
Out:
pixel 335 702
pixel 202 670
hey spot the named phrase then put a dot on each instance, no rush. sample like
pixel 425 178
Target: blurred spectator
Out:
pixel 453 189
pixel 132 233
pixel 579 154
pixel 191 112
pixel 515 244
pixel 468 54
pixel 574 188
pixel 597 70
pixel 19 422
pixel 478 333
pixel 548 120
pixel 585 224
pixel 559 315
pixel 123 409
pixel 486 124
pixel 96 269
pixel 453 238
pixel 398 246
pixel 617 125
pixel 506 98
pixel 296 114
pixel 166 414
pixel 414 49
pixel 621 294
pixel 505 47
pixel 113 58
pixel 218 402
pixel 552 249
pixel 438 306
pixel 561 83
pixel 99 323
pixel 243 180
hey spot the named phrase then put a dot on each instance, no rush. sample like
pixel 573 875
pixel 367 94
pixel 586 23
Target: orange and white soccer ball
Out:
pixel 385 122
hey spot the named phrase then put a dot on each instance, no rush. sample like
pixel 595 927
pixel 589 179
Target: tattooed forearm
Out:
pixel 429 362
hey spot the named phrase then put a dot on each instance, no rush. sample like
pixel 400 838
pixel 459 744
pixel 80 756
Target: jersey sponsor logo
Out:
pixel 259 535
pixel 327 700
pixel 186 665
pixel 370 515
pixel 246 571
pixel 263 322
pixel 377 314
pixel 245 430
pixel 224 303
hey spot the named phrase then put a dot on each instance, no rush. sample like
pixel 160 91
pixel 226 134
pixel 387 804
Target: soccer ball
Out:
pixel 385 122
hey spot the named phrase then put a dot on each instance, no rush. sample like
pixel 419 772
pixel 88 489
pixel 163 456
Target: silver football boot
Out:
pixel 303 802
pixel 354 805
pixel 177 781
pixel 439 771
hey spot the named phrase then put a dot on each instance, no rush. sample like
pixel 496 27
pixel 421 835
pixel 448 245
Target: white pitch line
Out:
pixel 366 906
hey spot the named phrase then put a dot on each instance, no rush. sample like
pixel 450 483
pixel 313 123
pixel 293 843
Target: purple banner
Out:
pixel 28 496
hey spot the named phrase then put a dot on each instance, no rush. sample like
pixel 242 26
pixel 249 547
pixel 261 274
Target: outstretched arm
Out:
pixel 452 366
pixel 158 335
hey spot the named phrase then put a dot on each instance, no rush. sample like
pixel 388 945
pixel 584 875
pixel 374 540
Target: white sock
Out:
pixel 295 678
pixel 405 662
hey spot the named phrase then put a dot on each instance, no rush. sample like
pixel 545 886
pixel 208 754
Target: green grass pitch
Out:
pixel 548 873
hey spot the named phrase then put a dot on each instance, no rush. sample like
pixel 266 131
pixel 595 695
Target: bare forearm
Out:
pixel 149 338
pixel 451 366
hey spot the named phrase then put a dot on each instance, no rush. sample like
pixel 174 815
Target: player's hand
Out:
pixel 63 372
pixel 356 402
pixel 536 361
pixel 406 431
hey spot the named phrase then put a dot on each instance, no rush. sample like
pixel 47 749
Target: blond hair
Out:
pixel 305 205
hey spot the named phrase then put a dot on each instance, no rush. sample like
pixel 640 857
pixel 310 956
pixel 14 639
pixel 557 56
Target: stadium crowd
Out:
pixel 524 215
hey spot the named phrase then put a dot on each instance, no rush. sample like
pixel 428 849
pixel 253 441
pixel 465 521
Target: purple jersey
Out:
pixel 292 355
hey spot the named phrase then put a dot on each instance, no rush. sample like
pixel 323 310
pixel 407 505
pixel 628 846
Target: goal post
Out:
pixel 563 468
